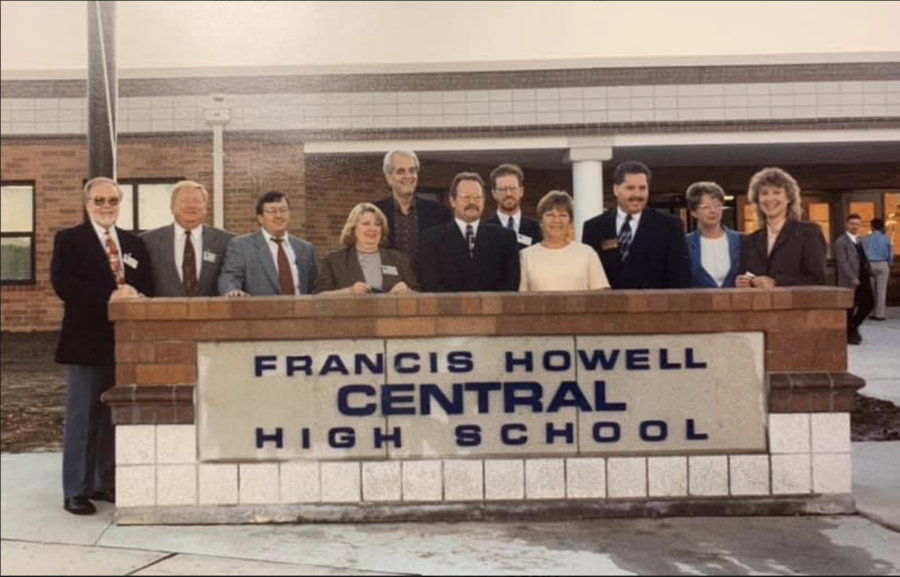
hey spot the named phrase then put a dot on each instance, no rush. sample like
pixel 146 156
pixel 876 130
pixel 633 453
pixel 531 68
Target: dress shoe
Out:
pixel 854 339
pixel 108 496
pixel 878 318
pixel 79 506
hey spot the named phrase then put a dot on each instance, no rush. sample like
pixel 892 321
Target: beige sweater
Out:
pixel 573 268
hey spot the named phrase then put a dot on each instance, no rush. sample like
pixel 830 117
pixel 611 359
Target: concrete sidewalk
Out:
pixel 877 359
pixel 38 537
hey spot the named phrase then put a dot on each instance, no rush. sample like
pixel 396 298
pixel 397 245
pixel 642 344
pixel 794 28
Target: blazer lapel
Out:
pixel 786 231
pixel 207 269
pixel 354 270
pixel 265 257
pixel 168 247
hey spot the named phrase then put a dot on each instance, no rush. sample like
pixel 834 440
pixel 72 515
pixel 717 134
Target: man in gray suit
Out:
pixel 187 256
pixel 853 272
pixel 270 261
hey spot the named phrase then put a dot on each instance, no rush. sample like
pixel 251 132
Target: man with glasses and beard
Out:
pixel 508 184
pixel 640 248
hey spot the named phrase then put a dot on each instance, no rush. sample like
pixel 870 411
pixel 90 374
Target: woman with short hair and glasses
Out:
pixel 715 249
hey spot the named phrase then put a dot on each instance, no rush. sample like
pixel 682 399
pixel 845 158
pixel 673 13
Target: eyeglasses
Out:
pixel 507 189
pixel 710 207
pixel 274 211
pixel 103 201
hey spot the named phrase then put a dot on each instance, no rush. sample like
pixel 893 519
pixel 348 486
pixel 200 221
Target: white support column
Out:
pixel 587 178
pixel 217 117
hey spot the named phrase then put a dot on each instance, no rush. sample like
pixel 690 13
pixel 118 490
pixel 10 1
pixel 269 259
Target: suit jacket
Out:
pixel 527 227
pixel 797 258
pixel 160 244
pixel 249 266
pixel 82 278
pixel 444 264
pixel 658 257
pixel 850 266
pixel 431 214
pixel 699 277
pixel 341 269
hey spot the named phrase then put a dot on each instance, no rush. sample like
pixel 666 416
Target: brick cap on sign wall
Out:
pixel 481 304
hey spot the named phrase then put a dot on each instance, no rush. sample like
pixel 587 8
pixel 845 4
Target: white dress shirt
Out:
pixel 620 220
pixel 463 224
pixel 504 219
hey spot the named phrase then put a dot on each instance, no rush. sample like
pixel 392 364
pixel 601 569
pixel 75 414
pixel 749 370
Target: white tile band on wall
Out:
pixel 488 108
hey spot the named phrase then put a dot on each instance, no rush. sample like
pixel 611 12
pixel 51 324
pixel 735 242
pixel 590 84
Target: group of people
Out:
pixel 404 243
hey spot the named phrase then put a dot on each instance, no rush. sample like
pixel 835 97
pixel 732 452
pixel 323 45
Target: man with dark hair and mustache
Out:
pixel 508 185
pixel 640 248
pixel 468 255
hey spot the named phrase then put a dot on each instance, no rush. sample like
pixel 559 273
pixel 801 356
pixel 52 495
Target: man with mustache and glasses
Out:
pixel 93 264
pixel 467 255
pixel 640 248
pixel 508 184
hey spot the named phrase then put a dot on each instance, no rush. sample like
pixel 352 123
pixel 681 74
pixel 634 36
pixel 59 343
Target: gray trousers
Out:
pixel 881 274
pixel 89 449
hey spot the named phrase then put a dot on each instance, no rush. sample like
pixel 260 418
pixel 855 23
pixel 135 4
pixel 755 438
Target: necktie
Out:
pixel 624 238
pixel 511 224
pixel 115 264
pixel 189 266
pixel 285 278
pixel 470 240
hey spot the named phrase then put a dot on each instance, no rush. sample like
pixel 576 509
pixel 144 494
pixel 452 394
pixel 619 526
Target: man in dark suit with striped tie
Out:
pixel 93 264
pixel 468 255
pixel 640 248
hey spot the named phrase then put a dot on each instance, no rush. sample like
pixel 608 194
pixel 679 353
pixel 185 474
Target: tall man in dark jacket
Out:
pixel 468 255
pixel 408 216
pixel 93 264
pixel 640 248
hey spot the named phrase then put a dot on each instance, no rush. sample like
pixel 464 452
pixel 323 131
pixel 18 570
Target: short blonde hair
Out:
pixel 558 199
pixel 778 178
pixel 348 235
pixel 183 184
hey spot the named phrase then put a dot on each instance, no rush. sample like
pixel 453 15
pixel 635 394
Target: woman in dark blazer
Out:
pixel 784 251
pixel 364 266
pixel 715 249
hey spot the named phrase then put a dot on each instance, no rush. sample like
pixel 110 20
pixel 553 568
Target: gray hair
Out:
pixel 183 184
pixel 100 180
pixel 388 164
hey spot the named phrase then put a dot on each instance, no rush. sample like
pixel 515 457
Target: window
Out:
pixel 891 217
pixel 145 203
pixel 17 233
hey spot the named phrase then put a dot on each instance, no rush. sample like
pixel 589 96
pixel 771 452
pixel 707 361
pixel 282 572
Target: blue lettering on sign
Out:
pixel 342 438
pixel 557 361
pixel 264 363
pixel 382 438
pixel 614 437
pixel 304 439
pixel 262 438
pixel 460 362
pixel 507 439
pixel 391 400
pixel 468 436
pixel 299 364
pixel 523 394
pixel 560 400
pixel 568 433
pixel 483 390
pixel 600 399
pixel 690 363
pixel 375 367
pixel 661 434
pixel 334 364
pixel 599 358
pixel 527 362
pixel 344 400
pixel 637 359
pixel 450 407
pixel 692 434
pixel 405 369
pixel 664 363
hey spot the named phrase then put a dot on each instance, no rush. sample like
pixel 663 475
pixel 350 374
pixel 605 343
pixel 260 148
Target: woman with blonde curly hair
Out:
pixel 784 251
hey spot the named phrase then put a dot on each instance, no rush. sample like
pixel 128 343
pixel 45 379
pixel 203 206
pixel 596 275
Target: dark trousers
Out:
pixel 863 304
pixel 89 449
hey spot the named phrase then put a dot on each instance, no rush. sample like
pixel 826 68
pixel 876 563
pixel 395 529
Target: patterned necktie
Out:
pixel 115 263
pixel 511 224
pixel 470 240
pixel 285 278
pixel 189 266
pixel 624 238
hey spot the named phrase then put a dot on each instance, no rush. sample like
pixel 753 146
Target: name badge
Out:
pixel 130 261
pixel 610 244
pixel 390 270
pixel 209 256
pixel 526 240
